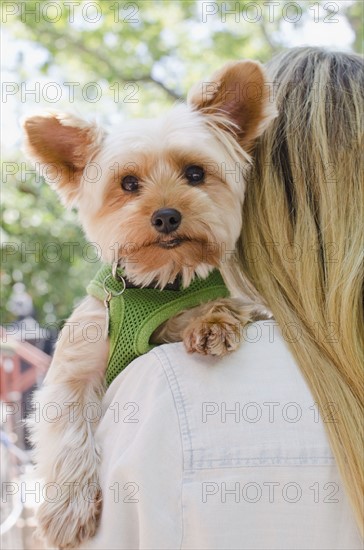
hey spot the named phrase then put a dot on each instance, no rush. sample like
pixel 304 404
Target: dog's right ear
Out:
pixel 62 145
pixel 238 93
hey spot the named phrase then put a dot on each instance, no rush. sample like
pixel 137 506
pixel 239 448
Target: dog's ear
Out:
pixel 62 145
pixel 239 93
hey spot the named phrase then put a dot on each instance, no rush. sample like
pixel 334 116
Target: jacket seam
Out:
pixel 172 381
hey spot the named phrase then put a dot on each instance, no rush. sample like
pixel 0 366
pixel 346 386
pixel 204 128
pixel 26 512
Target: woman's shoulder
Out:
pixel 250 407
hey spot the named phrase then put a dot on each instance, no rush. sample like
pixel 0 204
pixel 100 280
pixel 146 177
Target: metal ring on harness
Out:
pixel 113 294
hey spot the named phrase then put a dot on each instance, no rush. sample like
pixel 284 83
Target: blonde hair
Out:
pixel 302 240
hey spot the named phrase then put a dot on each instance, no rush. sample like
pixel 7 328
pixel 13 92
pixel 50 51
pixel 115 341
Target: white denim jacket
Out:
pixel 203 453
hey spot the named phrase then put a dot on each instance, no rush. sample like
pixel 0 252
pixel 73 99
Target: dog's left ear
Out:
pixel 238 92
pixel 62 145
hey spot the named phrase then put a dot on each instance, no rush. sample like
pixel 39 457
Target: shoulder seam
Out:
pixel 179 402
pixel 167 368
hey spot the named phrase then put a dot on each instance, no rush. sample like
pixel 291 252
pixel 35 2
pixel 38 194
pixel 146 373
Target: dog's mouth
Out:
pixel 171 243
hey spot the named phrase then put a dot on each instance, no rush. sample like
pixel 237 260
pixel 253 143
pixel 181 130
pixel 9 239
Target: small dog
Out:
pixel 174 187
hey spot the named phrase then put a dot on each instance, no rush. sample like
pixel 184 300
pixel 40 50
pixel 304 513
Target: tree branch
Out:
pixel 274 48
pixel 112 69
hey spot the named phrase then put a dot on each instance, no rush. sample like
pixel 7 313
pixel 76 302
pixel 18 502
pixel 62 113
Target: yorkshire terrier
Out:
pixel 173 187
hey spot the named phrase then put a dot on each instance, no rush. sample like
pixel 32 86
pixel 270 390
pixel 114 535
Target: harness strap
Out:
pixel 138 312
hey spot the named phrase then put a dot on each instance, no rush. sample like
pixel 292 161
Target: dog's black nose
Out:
pixel 166 220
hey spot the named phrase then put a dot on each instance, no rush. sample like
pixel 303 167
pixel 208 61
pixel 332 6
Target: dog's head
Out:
pixel 162 195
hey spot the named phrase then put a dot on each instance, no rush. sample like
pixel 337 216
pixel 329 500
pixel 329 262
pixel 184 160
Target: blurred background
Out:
pixel 105 61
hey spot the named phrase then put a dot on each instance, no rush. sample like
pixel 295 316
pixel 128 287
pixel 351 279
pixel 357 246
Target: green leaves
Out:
pixel 44 248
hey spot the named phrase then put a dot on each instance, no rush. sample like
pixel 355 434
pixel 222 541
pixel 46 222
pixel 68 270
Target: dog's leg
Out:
pixel 213 328
pixel 69 405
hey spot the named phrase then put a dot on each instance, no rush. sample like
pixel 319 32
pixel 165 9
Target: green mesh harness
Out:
pixel 138 312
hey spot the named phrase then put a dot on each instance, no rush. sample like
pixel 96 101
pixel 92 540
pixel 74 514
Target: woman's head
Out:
pixel 303 233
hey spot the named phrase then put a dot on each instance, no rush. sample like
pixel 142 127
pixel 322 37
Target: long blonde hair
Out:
pixel 302 240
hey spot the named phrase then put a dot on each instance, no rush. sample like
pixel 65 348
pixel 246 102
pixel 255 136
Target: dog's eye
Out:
pixel 130 183
pixel 194 174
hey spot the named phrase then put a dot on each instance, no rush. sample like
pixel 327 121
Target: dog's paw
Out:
pixel 217 335
pixel 73 517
